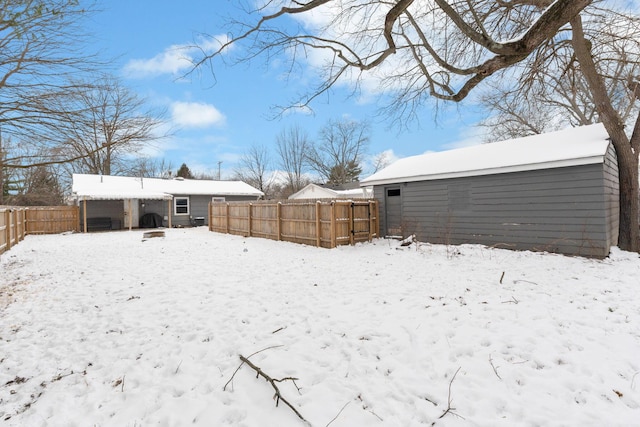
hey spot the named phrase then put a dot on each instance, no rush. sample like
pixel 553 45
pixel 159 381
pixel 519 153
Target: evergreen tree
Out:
pixel 184 172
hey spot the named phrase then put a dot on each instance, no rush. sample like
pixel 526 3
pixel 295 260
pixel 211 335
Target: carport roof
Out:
pixel 569 147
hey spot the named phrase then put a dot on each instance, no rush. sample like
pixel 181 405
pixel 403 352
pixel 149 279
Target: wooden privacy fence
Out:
pixel 12 227
pixel 324 224
pixel 52 219
pixel 16 222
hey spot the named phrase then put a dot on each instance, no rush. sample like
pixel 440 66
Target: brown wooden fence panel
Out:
pixel 318 223
pixel 52 219
pixel 12 227
pixel 5 223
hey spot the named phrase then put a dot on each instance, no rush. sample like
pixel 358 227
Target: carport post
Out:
pixel 169 211
pixel 84 214
pixel 130 213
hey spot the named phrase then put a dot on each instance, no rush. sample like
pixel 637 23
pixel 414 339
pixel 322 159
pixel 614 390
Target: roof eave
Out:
pixel 489 171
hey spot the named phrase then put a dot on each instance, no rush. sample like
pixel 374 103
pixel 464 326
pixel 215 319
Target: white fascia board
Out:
pixel 490 171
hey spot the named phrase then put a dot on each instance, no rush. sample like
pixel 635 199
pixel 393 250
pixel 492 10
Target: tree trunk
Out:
pixel 629 237
pixel 629 226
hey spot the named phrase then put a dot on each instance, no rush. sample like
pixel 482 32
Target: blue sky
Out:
pixel 215 121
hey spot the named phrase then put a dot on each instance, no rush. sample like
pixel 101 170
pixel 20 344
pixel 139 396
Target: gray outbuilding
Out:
pixel 556 192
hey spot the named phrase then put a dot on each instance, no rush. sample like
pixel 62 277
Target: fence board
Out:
pixel 319 223
pixel 52 219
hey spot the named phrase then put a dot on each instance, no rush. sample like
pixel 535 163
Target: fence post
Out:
pixel 318 204
pixel 23 229
pixel 278 217
pixel 333 224
pixel 227 218
pixel 250 208
pixel 371 221
pixel 210 214
pixel 351 226
pixel 7 230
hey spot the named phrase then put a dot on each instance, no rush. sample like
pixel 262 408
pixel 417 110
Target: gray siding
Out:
pixel 611 195
pixel 160 207
pixel 559 210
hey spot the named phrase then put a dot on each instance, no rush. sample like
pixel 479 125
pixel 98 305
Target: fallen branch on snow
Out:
pixel 260 373
pixel 450 409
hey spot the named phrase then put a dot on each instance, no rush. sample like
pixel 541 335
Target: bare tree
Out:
pixel 552 91
pixel 292 145
pixel 381 161
pixel 37 186
pixel 150 168
pixel 445 49
pixel 337 156
pixel 254 169
pixel 110 124
pixel 41 52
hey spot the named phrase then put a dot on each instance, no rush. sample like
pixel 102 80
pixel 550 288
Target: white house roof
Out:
pixel 108 187
pixel 314 191
pixel 569 147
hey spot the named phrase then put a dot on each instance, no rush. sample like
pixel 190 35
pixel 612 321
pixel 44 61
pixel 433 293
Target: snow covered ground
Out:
pixel 109 329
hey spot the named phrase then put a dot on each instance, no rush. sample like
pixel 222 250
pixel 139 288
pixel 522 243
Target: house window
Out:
pixel 217 199
pixel 181 205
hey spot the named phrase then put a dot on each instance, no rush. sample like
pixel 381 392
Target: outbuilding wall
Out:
pixel 566 210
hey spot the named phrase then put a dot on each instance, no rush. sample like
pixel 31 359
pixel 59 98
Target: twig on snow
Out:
pixel 525 281
pixel 450 409
pixel 512 300
pixel 336 417
pixel 495 369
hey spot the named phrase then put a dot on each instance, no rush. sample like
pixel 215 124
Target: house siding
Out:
pixel 198 208
pixel 611 195
pixel 565 210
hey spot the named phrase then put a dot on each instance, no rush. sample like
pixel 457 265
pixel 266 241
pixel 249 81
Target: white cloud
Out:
pixel 176 59
pixel 196 115
pixel 469 137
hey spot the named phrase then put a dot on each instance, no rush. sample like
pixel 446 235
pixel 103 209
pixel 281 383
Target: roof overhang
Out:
pixel 488 171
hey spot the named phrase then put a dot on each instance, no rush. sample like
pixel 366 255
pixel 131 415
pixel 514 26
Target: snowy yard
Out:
pixel 110 330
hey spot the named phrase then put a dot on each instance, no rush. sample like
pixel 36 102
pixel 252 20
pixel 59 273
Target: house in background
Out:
pixel 115 202
pixel 314 191
pixel 555 192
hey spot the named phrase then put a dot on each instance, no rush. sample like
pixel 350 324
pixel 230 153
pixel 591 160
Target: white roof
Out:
pixel 86 186
pixel 314 191
pixel 569 147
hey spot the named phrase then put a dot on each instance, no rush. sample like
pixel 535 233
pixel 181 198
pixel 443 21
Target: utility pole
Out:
pixel 219 163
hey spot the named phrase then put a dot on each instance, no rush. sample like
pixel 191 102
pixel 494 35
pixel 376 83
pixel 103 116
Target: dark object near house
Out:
pixel 98 224
pixel 198 221
pixel 150 220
